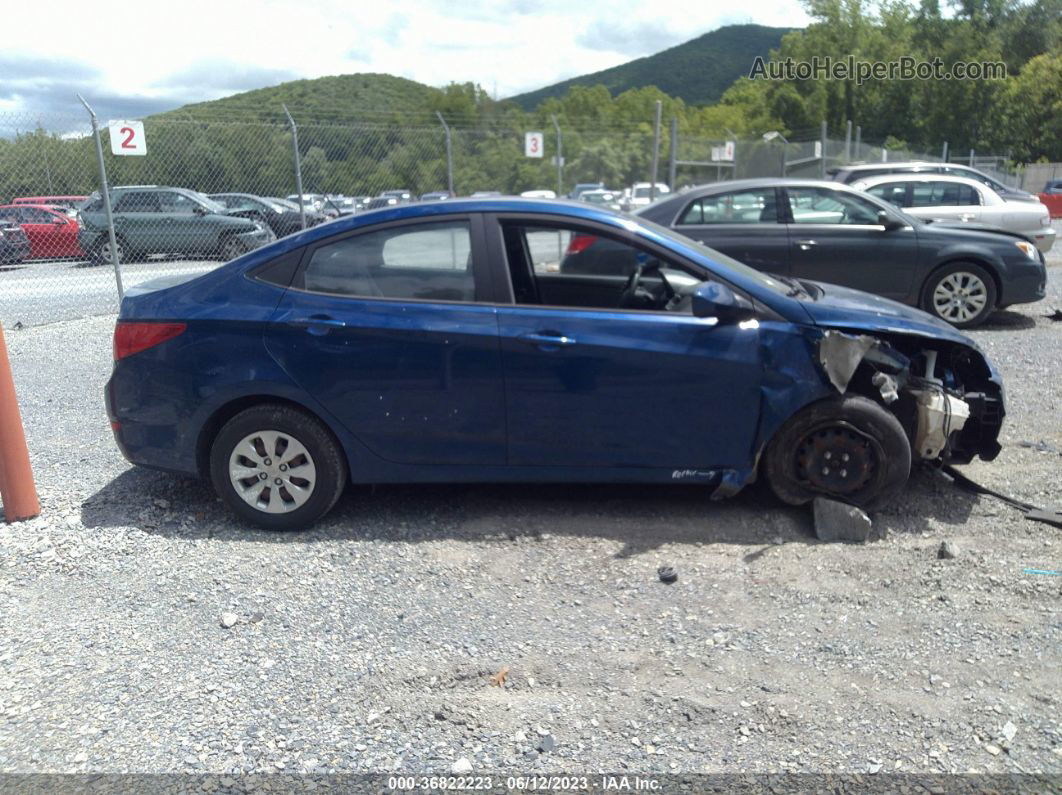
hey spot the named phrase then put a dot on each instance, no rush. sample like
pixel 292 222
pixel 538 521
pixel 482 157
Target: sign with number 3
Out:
pixel 127 138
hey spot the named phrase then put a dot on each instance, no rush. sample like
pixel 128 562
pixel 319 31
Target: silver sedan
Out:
pixel 937 197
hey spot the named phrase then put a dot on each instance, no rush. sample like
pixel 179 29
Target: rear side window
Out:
pixel 745 207
pixel 137 202
pixel 431 262
pixel 943 194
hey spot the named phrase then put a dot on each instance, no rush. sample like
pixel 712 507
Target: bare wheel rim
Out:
pixel 837 459
pixel 960 296
pixel 272 471
pixel 231 249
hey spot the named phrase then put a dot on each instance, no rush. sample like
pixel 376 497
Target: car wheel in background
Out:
pixel 230 248
pixel 962 293
pixel 101 251
pixel 847 448
pixel 277 467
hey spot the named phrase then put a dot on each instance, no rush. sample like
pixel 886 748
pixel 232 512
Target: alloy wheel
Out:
pixel 960 297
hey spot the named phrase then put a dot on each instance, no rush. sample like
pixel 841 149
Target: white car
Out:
pixel 937 197
pixel 639 194
pixel 539 194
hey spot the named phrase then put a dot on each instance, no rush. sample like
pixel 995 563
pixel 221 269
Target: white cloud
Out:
pixel 146 50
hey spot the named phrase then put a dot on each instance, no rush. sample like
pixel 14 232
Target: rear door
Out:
pixel 950 201
pixel 392 330
pixel 835 237
pixel 138 221
pixel 744 224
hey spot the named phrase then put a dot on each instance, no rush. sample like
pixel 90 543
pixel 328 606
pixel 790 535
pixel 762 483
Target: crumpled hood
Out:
pixel 845 308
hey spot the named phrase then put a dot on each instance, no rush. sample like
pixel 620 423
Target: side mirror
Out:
pixel 713 299
pixel 889 222
pixel 199 210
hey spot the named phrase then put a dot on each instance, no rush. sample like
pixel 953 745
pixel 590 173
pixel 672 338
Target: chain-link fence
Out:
pixel 198 192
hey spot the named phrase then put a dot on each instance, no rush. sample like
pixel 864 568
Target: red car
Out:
pixel 58 201
pixel 51 232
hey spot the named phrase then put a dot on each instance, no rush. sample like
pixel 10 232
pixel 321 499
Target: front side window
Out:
pixel 825 206
pixel 893 192
pixel 745 207
pixel 560 265
pixel 431 262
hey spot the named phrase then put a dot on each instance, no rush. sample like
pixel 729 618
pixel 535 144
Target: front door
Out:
pixel 835 237
pixel 588 384
pixel 385 328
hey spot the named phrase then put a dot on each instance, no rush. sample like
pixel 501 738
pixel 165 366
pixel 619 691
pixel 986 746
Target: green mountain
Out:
pixel 347 97
pixel 698 71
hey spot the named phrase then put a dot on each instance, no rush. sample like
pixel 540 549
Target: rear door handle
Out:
pixel 804 245
pixel 317 324
pixel 546 339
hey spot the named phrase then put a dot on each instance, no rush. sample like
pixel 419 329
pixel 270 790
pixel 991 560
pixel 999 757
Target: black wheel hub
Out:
pixel 837 460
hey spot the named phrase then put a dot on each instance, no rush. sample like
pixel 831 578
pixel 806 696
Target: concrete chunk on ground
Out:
pixel 838 521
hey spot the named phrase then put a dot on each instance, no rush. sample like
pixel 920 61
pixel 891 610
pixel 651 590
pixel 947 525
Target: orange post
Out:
pixel 16 478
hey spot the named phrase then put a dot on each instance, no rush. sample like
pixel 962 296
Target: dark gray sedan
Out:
pixel 828 232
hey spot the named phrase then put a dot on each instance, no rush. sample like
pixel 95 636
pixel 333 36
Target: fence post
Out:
pixel 105 191
pixel 560 159
pixel 449 155
pixel 859 136
pixel 971 158
pixel 822 160
pixel 944 153
pixel 673 156
pixel 848 142
pixel 298 165
pixel 656 150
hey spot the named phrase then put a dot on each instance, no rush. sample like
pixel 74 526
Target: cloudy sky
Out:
pixel 137 57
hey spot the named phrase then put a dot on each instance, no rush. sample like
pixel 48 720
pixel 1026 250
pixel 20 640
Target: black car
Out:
pixel 850 174
pixel 282 216
pixel 14 245
pixel 828 232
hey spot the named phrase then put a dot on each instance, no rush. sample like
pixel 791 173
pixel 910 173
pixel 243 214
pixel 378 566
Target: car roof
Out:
pixel 917 176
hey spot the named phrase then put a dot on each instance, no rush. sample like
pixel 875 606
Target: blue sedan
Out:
pixel 467 340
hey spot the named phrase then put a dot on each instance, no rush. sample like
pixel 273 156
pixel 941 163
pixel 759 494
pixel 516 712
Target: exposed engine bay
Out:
pixel 944 393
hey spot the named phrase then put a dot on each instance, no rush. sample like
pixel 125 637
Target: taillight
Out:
pixel 130 338
pixel 580 243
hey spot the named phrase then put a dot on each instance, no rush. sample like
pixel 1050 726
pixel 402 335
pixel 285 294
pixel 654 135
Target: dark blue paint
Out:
pixel 423 391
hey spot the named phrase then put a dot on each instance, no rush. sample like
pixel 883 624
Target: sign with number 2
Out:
pixel 127 138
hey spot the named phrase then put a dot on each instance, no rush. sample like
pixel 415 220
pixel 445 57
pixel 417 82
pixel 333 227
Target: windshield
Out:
pixel 206 201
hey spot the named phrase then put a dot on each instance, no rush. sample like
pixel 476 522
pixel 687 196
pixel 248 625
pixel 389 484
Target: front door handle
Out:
pixel 546 339
pixel 804 245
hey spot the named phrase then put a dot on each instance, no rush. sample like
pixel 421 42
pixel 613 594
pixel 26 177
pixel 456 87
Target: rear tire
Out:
pixel 846 448
pixel 230 248
pixel 101 251
pixel 277 467
pixel 961 293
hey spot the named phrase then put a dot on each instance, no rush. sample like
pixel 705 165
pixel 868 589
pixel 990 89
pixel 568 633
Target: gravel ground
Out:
pixel 368 643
